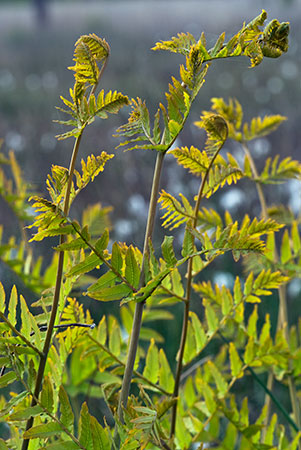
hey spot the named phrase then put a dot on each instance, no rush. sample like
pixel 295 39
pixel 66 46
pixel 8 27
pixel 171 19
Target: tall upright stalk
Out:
pixel 187 301
pixel 282 321
pixel 134 338
pixel 59 274
pixel 56 296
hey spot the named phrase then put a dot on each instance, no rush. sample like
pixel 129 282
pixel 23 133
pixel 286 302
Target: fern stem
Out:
pixel 187 300
pixel 282 320
pixel 128 373
pixel 56 297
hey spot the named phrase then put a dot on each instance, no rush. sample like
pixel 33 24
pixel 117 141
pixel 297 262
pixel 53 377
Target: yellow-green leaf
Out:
pixel 7 379
pixel 219 379
pixel 132 271
pixel 151 369
pixel 67 416
pixel 249 351
pixel 211 317
pixel 99 436
pixel 25 318
pixel 235 362
pixel 43 430
pixel 2 298
pixel 252 323
pixel 168 251
pixel 12 306
pixel 85 435
pixel 166 379
pixel 111 293
pixel 286 253
pixel 47 394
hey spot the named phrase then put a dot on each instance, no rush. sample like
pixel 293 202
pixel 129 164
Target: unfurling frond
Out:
pixel 261 127
pixel 217 131
pixel 89 50
pixel 275 39
pixel 250 41
pixel 176 213
pixel 231 112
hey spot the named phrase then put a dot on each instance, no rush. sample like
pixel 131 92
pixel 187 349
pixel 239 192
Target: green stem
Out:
pixel 187 301
pixel 282 311
pixel 56 296
pixel 128 373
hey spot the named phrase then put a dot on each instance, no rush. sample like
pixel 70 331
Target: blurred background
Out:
pixel 36 47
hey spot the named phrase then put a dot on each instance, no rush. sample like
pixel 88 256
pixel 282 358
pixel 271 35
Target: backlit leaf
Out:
pixel 235 362
pixel 151 369
pixel 67 416
pixel 43 430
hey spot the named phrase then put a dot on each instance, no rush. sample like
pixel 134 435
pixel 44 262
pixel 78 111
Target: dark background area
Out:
pixel 36 47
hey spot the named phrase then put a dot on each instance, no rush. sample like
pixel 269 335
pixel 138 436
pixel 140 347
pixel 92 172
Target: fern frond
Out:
pixel 111 103
pixel 276 171
pixel 51 221
pixel 219 176
pixel 193 74
pixel 89 49
pixel 192 158
pixel 138 128
pixel 176 213
pixel 56 183
pixel 180 44
pixel 239 241
pixel 178 101
pixel 261 127
pixel 259 227
pixel 90 169
pixel 84 111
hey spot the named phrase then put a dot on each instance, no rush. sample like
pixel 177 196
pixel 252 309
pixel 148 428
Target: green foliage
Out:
pixel 55 357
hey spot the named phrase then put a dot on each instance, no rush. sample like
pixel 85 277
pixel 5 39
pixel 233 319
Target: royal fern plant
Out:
pixel 53 351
